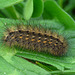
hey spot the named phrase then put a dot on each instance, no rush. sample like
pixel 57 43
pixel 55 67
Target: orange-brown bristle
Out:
pixel 37 40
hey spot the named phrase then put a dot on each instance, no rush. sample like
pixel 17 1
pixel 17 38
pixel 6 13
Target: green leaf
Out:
pixel 66 72
pixel 38 8
pixel 60 2
pixel 11 12
pixel 8 69
pixel 46 66
pixel 19 7
pixel 7 3
pixel 66 61
pixel 19 66
pixel 28 10
pixel 51 7
pixel 27 67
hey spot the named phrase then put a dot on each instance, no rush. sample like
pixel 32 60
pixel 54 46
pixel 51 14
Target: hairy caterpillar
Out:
pixel 36 38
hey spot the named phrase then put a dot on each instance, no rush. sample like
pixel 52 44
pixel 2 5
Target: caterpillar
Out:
pixel 36 38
